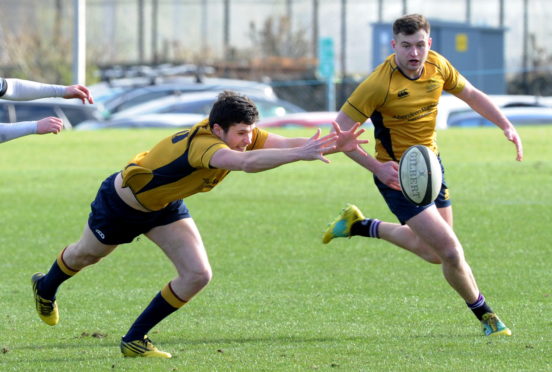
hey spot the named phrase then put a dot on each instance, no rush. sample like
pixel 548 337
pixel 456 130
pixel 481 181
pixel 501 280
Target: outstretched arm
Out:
pixel 47 125
pixel 16 130
pixel 260 160
pixel 346 140
pixel 387 172
pixel 25 90
pixel 483 105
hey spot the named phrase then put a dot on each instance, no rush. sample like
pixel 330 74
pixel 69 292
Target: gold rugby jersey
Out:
pixel 178 166
pixel 403 111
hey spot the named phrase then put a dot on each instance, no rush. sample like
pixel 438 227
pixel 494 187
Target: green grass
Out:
pixel 280 300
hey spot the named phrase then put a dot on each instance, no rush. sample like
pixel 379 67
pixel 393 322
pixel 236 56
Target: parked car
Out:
pixel 144 121
pixel 449 105
pixel 517 115
pixel 201 103
pixel 300 119
pixel 115 98
pixel 72 112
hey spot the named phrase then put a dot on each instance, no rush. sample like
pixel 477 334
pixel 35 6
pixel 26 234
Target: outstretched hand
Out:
pixel 347 141
pixel 78 91
pixel 317 146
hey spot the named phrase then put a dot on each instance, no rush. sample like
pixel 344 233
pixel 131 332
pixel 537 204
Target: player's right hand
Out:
pixel 388 173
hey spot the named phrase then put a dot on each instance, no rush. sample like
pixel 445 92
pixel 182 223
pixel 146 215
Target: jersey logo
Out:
pixel 100 233
pixel 403 93
pixel 210 183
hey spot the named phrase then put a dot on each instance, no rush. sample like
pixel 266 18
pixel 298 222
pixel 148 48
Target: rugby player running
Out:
pixel 400 97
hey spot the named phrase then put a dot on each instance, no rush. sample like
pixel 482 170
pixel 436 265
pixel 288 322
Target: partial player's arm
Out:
pixel 25 90
pixel 346 140
pixel 260 160
pixel 47 125
pixel 483 105
pixel 387 172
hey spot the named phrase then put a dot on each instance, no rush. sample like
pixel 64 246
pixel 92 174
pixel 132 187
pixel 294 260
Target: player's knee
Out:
pixel 76 256
pixel 205 276
pixel 452 256
pixel 200 278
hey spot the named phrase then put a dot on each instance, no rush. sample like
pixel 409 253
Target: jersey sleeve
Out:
pixel 25 90
pixel 258 140
pixel 202 148
pixel 16 130
pixel 454 81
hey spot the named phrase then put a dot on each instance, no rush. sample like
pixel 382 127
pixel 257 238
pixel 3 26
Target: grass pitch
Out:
pixel 280 300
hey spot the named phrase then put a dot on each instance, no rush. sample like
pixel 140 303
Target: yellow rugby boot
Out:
pixel 142 348
pixel 341 226
pixel 493 326
pixel 47 310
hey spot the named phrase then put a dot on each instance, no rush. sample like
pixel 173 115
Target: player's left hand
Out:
pixel 347 141
pixel 513 136
pixel 78 91
pixel 317 146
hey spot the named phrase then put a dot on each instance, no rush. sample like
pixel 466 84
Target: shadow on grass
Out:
pixel 110 348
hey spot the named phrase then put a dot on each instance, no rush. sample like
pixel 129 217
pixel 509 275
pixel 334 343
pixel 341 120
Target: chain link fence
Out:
pixel 269 40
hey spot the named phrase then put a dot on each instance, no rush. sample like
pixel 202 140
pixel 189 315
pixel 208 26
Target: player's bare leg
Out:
pixel 87 251
pixel 430 236
pixel 403 236
pixel 182 244
pixel 432 229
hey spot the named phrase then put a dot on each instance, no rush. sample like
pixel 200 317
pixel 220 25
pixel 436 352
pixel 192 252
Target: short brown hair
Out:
pixel 410 24
pixel 233 108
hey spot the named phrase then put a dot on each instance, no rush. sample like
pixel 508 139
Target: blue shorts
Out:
pixel 404 209
pixel 114 222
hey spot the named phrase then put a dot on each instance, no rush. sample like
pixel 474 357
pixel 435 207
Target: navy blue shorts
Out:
pixel 114 222
pixel 404 209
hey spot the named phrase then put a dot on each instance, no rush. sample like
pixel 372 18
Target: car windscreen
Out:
pixel 77 115
pixel 33 112
pixel 4 114
pixel 141 98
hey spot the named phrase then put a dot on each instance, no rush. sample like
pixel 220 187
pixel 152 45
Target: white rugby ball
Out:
pixel 420 175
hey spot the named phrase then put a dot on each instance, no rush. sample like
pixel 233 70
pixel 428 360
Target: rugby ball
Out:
pixel 420 175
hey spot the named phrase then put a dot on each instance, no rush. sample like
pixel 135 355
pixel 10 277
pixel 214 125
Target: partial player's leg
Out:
pixel 431 227
pixel 447 251
pixel 403 236
pixel 182 244
pixel 87 251
pixel 351 222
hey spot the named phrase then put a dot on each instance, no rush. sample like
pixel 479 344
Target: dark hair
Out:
pixel 232 108
pixel 410 24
